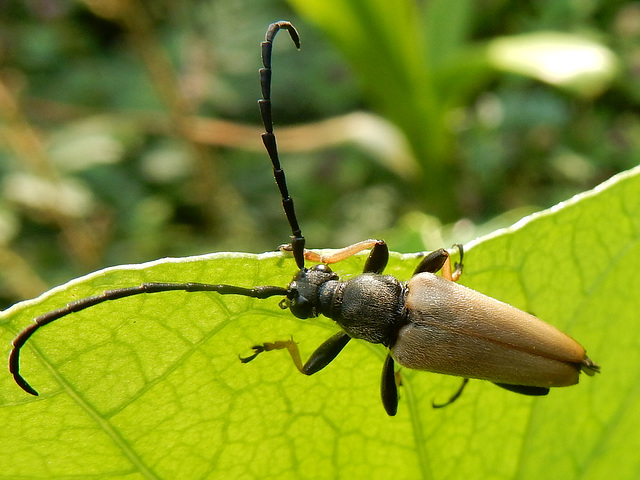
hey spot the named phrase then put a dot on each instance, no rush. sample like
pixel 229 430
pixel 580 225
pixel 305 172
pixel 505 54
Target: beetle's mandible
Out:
pixel 428 323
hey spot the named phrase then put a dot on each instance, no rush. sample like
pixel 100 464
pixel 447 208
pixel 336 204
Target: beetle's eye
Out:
pixel 321 268
pixel 301 307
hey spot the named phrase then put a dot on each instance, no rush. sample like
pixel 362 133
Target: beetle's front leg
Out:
pixel 376 262
pixel 319 359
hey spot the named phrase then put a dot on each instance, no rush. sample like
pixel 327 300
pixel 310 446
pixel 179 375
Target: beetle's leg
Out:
pixel 455 275
pixel 377 258
pixel 524 390
pixel 319 359
pixel 440 260
pixel 589 367
pixel 388 387
pixel 453 397
pixel 432 262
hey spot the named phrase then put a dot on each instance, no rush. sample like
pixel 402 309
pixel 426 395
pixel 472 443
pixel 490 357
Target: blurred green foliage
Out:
pixel 129 130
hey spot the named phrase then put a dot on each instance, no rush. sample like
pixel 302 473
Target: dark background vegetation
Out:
pixel 129 131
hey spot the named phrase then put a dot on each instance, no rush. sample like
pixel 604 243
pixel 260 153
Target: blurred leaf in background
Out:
pixel 129 130
pixel 429 68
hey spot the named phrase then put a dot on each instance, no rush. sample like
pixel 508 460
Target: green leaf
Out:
pixel 151 386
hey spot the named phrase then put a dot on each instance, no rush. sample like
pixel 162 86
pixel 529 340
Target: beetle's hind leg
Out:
pixel 453 397
pixel 319 359
pixel 524 389
pixel 589 367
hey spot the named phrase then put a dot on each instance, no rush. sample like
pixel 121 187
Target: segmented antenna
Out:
pixel 269 139
pixel 261 292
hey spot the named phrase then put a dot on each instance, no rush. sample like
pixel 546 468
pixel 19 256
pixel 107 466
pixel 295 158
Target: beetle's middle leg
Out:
pixel 389 387
pixel 319 359
pixel 441 260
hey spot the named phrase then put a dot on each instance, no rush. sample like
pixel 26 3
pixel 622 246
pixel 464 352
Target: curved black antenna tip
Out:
pixel 14 368
pixel 283 24
pixel 23 384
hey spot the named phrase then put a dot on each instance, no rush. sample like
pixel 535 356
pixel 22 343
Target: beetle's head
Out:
pixel 303 291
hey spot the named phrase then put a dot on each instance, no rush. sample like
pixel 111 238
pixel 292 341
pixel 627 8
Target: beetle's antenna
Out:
pixel 269 139
pixel 79 305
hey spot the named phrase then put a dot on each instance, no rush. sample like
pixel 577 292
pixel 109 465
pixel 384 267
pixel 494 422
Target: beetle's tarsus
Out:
pixel 457 272
pixel 589 366
pixel 453 397
pixel 258 349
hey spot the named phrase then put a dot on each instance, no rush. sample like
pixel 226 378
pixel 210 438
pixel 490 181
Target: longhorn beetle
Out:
pixel 428 323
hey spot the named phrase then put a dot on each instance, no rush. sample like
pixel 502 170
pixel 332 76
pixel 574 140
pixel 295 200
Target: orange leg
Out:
pixel 338 255
pixel 449 273
pixel 289 345
pixel 319 359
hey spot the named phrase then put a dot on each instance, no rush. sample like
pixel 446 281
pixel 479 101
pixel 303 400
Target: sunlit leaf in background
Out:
pixel 569 61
